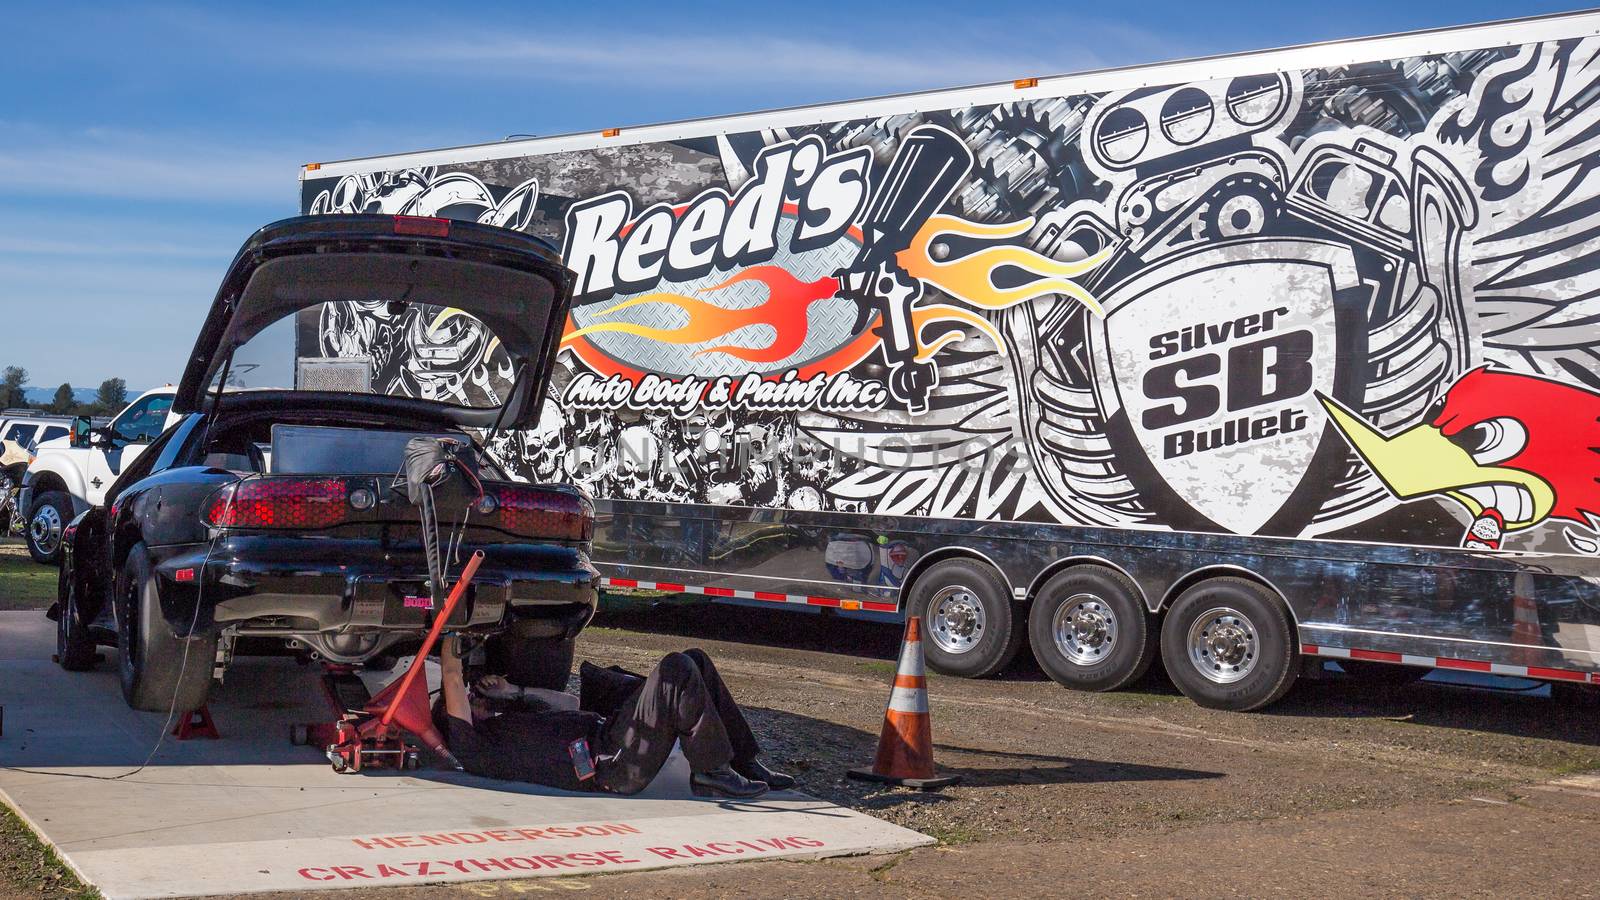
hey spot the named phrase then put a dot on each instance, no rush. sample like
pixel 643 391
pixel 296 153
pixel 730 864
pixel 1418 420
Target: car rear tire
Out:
pixel 47 521
pixel 1228 643
pixel 970 625
pixel 160 671
pixel 531 661
pixel 75 648
pixel 1090 631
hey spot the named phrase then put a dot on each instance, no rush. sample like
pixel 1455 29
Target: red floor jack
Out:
pixel 376 735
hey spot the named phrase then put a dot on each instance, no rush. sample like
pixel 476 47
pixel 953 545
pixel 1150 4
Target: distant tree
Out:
pixel 112 396
pixel 11 384
pixel 63 402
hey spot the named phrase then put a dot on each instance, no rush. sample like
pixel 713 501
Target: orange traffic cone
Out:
pixel 905 748
pixel 1525 628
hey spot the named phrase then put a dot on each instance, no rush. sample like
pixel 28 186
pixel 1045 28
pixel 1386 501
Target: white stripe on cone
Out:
pixel 911 660
pixel 909 700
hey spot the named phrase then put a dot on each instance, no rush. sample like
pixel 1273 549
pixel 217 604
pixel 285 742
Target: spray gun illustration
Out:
pixel 929 166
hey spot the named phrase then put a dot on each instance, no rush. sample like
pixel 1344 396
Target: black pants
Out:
pixel 683 700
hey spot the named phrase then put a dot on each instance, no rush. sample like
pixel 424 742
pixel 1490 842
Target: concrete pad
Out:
pixel 253 813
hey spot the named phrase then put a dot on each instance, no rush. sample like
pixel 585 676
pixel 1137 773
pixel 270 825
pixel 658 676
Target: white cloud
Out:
pixel 709 62
pixel 888 51
pixel 145 165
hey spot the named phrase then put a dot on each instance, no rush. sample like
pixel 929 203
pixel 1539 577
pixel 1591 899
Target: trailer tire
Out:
pixel 156 676
pixel 1090 631
pixel 1228 643
pixel 970 625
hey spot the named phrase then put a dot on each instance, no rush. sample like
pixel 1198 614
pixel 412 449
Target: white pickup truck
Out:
pixel 69 475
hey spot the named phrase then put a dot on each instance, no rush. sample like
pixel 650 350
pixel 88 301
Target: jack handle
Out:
pixel 438 626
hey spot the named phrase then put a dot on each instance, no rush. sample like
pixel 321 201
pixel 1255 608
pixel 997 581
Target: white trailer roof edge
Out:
pixel 1323 54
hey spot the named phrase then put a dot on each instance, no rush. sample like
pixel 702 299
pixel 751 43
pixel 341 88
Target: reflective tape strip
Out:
pixel 911 662
pixel 908 700
pixel 672 587
pixel 1542 673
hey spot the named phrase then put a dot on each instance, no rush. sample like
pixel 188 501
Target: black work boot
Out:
pixel 725 782
pixel 755 771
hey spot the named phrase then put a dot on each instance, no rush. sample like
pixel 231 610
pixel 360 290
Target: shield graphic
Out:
pixel 1212 358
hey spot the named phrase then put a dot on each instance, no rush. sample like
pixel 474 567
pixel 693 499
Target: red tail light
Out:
pixel 537 512
pixel 422 226
pixel 279 503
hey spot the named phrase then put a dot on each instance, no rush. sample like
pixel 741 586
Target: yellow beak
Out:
pixel 1420 461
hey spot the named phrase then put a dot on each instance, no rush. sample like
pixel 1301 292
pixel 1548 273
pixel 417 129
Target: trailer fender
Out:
pixel 943 553
pixel 1049 572
pixel 1190 579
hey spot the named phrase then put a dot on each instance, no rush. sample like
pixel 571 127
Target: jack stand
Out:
pixel 197 724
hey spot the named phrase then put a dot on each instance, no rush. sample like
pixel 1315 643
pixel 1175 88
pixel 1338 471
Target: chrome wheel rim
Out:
pixel 45 529
pixel 1223 645
pixel 956 619
pixel 1085 629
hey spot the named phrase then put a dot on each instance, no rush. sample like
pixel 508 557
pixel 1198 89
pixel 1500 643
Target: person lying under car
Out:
pixel 614 737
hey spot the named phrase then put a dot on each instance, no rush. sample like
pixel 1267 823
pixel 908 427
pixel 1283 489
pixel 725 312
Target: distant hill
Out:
pixel 82 395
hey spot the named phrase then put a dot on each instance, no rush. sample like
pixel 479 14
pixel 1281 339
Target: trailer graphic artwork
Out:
pixel 1226 306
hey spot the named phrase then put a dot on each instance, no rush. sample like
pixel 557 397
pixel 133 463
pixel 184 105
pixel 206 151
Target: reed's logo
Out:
pixel 816 264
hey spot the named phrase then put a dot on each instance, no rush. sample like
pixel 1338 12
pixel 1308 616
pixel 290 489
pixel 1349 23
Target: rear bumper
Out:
pixel 308 584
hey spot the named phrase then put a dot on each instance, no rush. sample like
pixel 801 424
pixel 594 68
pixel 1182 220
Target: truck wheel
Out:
pixel 537 662
pixel 970 626
pixel 156 676
pixel 46 522
pixel 75 649
pixel 1228 643
pixel 1090 630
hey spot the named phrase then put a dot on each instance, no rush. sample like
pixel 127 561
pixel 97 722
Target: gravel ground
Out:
pixel 1425 790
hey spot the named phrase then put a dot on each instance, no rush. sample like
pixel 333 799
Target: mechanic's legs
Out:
pixel 672 705
pixel 740 737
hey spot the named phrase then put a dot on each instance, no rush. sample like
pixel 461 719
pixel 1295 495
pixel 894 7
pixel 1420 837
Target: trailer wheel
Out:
pixel 1090 630
pixel 155 676
pixel 1228 643
pixel 970 625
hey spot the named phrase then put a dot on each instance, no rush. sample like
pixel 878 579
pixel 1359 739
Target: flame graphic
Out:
pixel 971 278
pixel 784 310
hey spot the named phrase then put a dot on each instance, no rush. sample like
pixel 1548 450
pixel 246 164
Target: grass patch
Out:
pixel 1576 766
pixel 31 868
pixel 25 584
pixel 952 835
pixel 879 666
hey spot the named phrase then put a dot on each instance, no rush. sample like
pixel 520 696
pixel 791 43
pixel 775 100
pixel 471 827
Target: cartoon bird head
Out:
pixel 1513 449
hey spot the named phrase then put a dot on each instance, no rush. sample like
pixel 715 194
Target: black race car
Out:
pixel 270 516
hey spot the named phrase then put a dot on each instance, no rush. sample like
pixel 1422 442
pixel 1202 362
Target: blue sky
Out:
pixel 139 145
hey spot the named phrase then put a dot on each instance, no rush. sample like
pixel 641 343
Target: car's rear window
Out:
pixel 417 350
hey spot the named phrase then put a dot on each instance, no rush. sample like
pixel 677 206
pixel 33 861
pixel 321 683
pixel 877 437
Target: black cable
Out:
pixel 172 709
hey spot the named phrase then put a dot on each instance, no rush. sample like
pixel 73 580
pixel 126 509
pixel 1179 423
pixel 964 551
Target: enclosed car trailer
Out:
pixel 1234 361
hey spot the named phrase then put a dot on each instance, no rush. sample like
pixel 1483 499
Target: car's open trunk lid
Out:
pixel 454 315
